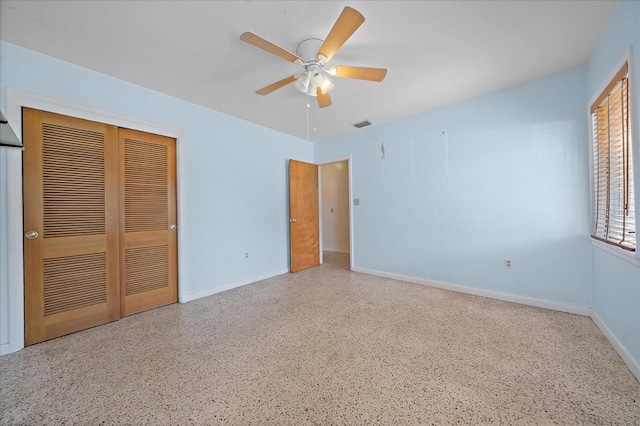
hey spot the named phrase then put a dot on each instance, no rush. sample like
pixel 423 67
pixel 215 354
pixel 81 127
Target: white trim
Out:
pixel 320 243
pixel 16 99
pixel 523 300
pixel 252 280
pixel 15 270
pixel 628 57
pixel 634 77
pixel 337 251
pixel 631 257
pixel 628 359
pixel 626 356
pixel 4 299
pixel 349 160
pixel 181 206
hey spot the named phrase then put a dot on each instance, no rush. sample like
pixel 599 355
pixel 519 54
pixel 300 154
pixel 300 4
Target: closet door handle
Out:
pixel 173 227
pixel 32 235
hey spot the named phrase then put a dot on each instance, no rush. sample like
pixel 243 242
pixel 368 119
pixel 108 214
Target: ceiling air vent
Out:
pixel 362 124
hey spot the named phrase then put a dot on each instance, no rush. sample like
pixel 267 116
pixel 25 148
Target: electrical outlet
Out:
pixel 507 264
pixel 246 255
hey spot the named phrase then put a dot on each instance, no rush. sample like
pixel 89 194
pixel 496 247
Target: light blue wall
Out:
pixel 4 288
pixel 461 188
pixel 616 283
pixel 236 198
pixel 517 188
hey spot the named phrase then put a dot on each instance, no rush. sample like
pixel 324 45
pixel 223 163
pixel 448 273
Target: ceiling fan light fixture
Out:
pixel 312 90
pixel 318 79
pixel 326 86
pixel 302 83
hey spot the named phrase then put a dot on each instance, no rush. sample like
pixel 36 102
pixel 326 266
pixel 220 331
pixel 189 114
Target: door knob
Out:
pixel 32 235
pixel 173 227
pixel 293 220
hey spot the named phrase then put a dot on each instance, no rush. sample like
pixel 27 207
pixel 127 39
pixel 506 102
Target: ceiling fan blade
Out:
pixel 263 44
pixel 347 23
pixel 362 73
pixel 324 100
pixel 277 85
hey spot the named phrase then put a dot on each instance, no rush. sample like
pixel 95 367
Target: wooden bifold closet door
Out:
pixel 148 257
pixel 84 184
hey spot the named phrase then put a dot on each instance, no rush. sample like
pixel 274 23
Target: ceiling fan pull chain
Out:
pixel 307 108
pixel 315 129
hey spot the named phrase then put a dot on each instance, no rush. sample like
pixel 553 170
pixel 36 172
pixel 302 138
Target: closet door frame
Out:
pixel 17 99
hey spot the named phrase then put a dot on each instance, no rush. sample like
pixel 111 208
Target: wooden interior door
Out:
pixel 148 235
pixel 70 225
pixel 304 223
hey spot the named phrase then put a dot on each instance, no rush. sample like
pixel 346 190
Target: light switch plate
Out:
pixel 356 201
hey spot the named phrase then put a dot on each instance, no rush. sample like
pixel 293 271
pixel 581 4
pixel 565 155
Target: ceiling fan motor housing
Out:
pixel 308 49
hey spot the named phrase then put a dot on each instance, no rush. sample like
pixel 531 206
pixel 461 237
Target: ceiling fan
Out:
pixel 313 54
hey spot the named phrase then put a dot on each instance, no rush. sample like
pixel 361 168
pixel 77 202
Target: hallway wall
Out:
pixel 335 207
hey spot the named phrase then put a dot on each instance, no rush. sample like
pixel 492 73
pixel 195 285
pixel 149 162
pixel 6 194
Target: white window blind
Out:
pixel 613 205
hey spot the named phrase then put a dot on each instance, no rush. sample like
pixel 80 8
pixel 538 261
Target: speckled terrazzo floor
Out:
pixel 326 346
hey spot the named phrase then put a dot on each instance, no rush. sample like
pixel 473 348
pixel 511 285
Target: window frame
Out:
pixel 632 257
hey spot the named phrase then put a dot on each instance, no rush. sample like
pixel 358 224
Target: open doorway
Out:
pixel 335 209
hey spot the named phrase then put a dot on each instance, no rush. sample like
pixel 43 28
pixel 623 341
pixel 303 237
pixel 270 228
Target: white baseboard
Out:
pixel 335 250
pixel 201 294
pixel 6 348
pixel 523 300
pixel 633 365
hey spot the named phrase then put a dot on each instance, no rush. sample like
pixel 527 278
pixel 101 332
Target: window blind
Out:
pixel 613 211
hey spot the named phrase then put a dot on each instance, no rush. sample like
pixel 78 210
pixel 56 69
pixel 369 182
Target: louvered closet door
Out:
pixel 70 201
pixel 148 250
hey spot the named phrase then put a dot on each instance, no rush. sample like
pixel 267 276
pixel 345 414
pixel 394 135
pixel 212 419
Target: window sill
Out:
pixel 628 256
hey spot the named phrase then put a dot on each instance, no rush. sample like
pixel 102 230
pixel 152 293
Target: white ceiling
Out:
pixel 437 52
